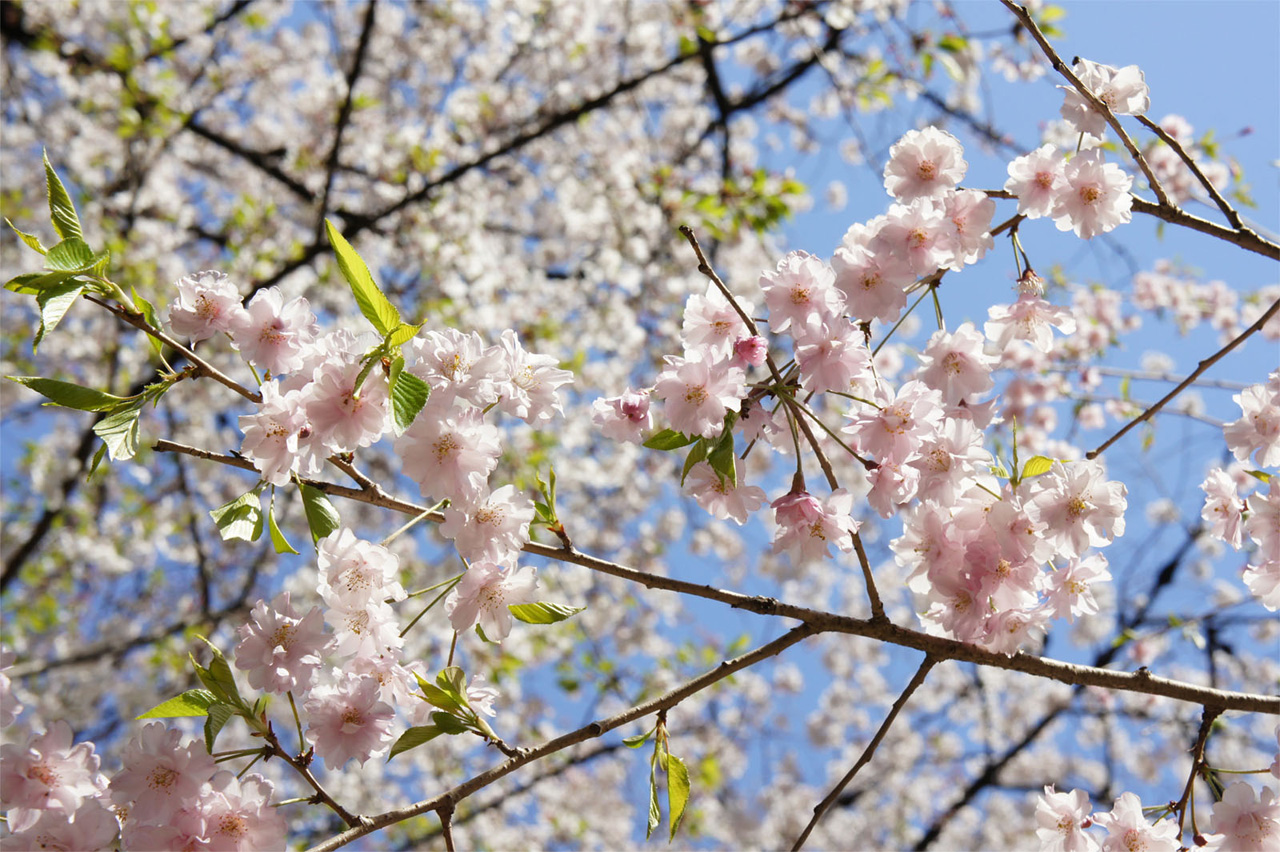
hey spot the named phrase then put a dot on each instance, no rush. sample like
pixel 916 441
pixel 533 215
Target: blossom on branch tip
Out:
pixel 1063 819
pixel 493 530
pixel 721 497
pixel 527 384
pixel 450 453
pixel 1244 821
pixel 274 334
pixel 1037 179
pixel 924 163
pixel 49 773
pixel 207 304
pixel 1123 90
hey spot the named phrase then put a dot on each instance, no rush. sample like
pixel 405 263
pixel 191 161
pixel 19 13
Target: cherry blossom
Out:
pixel 280 651
pixel 1128 829
pixel 1245 821
pixel 10 706
pixel 1096 197
pixel 208 303
pixel 721 497
pixel 698 394
pixel 493 530
pixel 1257 432
pixel 1063 819
pixel 483 595
pixel 801 295
pixel 808 526
pixel 348 720
pixel 49 773
pixel 273 334
pixel 528 383
pixel 924 163
pixel 1078 508
pixel 92 828
pixel 272 436
pixel 1037 179
pixel 1123 90
pixel 160 775
pixel 450 453
pixel 623 418
pixel 711 323
pixel 237 814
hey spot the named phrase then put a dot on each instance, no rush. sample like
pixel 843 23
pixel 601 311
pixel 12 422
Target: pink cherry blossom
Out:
pixel 1123 90
pixel 722 498
pixel 1257 433
pixel 872 282
pixel 47 774
pixel 355 572
pixel 1245 821
pixel 902 423
pixel 92 828
pixel 1070 594
pixel 711 323
pixel 272 436
pixel 491 531
pixel 1063 819
pixel 801 295
pixel 750 351
pixel 1037 179
pixel 698 394
pixel 970 212
pixel 10 706
pixel 1128 829
pixel 481 696
pixel 808 526
pixel 484 594
pixel 238 816
pixel 456 366
pixel 280 651
pixel 450 454
pixel 527 383
pixel 160 775
pixel 349 720
pixel 956 365
pixel 919 234
pixel 1096 198
pixel 1032 319
pixel 1223 511
pixel 924 163
pixel 343 418
pixel 834 361
pixel 623 418
pixel 273 334
pixel 207 304
pixel 1077 506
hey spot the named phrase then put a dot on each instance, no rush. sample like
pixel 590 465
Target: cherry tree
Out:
pixel 420 434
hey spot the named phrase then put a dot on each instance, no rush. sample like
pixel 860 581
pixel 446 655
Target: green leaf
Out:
pixel 70 396
pixel 408 395
pixel 697 454
pixel 722 459
pixel 71 255
pixel 677 792
pixel 454 681
pixel 219 715
pixel 219 679
pixel 119 431
pixel 655 816
pixel 403 334
pixel 953 43
pixel 373 304
pixel 148 312
pixel 1000 471
pixel 668 439
pixel 638 740
pixel 34 283
pixel 240 518
pixel 321 516
pixel 61 211
pixel 413 738
pixel 437 697
pixel 278 540
pixel 193 702
pixel 30 239
pixel 54 304
pixel 543 613
pixel 449 724
pixel 1260 475
pixel 1036 465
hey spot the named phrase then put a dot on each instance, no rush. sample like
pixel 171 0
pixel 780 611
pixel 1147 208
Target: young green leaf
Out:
pixel 677 792
pixel 454 681
pixel 638 740
pixel 71 255
pixel 1036 465
pixel 278 540
pixel 30 239
pixel 1260 475
pixel 445 700
pixel 403 334
pixel 321 516
pixel 655 816
pixel 193 702
pixel 70 396
pixel 373 304
pixel 697 454
pixel 240 518
pixel 219 715
pixel 61 211
pixel 33 283
pixel 449 724
pixel 543 613
pixel 413 738
pixel 119 431
pixel 722 459
pixel 148 312
pixel 408 395
pixel 54 303
pixel 668 439
pixel 224 682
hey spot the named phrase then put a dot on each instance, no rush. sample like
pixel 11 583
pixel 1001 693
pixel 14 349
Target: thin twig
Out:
pixel 822 807
pixel 828 622
pixel 1204 365
pixel 1197 762
pixel 587 732
pixel 1097 103
pixel 1227 210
